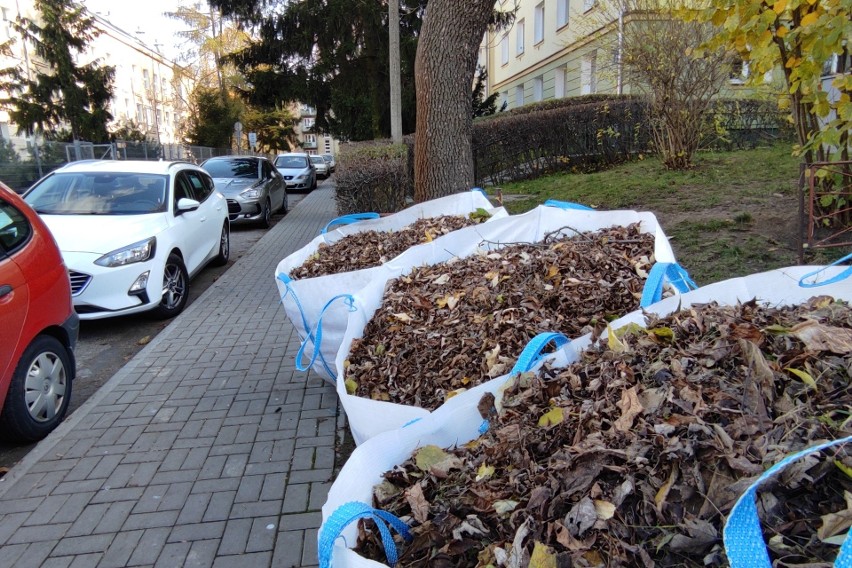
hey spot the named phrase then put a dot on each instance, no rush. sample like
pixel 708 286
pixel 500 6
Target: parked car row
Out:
pixel 97 239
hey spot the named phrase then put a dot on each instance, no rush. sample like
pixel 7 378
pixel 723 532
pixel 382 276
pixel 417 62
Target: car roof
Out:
pixel 303 154
pixel 123 166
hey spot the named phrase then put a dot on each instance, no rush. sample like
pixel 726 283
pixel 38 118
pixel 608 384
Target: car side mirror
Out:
pixel 185 204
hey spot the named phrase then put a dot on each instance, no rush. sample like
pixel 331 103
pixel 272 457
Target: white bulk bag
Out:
pixel 304 300
pixel 458 420
pixel 369 417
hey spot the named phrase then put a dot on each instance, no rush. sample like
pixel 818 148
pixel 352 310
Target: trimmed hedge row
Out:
pixel 578 134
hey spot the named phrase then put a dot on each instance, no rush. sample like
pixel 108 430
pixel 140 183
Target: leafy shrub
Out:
pixel 375 176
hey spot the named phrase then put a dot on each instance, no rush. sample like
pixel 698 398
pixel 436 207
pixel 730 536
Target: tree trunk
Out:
pixel 443 69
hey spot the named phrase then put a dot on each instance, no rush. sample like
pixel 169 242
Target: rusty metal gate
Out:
pixel 825 206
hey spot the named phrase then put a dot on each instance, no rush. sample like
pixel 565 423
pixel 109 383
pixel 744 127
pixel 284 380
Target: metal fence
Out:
pixel 20 168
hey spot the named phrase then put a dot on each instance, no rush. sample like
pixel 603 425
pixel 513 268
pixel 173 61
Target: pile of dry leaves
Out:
pixel 453 325
pixel 634 455
pixel 373 248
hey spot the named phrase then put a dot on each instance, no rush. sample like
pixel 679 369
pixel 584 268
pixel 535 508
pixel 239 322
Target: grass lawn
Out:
pixel 733 214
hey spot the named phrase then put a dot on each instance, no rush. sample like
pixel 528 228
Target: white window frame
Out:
pixel 588 70
pixel 559 82
pixel 519 37
pixel 538 36
pixel 562 7
pixel 504 49
pixel 519 95
pixel 538 88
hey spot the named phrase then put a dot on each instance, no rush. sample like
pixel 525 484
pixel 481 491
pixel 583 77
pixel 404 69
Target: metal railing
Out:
pixel 825 206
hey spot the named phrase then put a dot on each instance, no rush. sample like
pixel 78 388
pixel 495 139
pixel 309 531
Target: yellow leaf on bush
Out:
pixel 779 6
pixel 809 19
pixel 552 417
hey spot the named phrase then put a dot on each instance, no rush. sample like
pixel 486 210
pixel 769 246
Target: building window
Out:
pixel 504 49
pixel 588 5
pixel 308 123
pixel 519 37
pixel 539 23
pixel 538 88
pixel 588 68
pixel 140 116
pixel 559 82
pixel 145 78
pixel 561 13
pixel 519 95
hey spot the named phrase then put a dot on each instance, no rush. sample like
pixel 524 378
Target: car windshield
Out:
pixel 318 160
pixel 91 193
pixel 328 157
pixel 291 162
pixel 233 168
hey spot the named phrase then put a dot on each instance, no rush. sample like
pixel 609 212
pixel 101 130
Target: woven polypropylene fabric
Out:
pixel 352 511
pixel 532 352
pixel 742 534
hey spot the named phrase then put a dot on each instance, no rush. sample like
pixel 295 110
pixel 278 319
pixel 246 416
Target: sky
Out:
pixel 143 19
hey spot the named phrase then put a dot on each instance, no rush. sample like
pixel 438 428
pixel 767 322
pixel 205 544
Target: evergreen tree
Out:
pixel 482 105
pixel 331 54
pixel 67 94
pixel 212 117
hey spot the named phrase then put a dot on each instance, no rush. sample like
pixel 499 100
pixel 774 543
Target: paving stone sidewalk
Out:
pixel 207 449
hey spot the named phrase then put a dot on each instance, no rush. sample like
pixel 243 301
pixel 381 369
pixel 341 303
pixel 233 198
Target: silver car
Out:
pixel 298 171
pixel 254 188
pixel 321 166
pixel 332 163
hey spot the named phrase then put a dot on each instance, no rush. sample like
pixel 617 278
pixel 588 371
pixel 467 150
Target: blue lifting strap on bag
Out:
pixel 566 205
pixel 843 275
pixel 659 274
pixel 349 219
pixel 316 337
pixel 742 534
pixel 352 511
pixel 480 190
pixel 531 355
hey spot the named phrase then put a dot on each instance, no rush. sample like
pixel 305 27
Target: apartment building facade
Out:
pixel 149 89
pixel 310 141
pixel 555 49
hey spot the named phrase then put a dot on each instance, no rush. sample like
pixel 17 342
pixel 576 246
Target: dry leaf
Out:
pixel 819 337
pixel 418 503
pixel 630 409
pixel 542 556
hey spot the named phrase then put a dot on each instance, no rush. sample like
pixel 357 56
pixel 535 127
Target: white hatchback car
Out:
pixel 133 233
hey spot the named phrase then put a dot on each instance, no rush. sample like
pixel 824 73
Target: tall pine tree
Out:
pixel 67 94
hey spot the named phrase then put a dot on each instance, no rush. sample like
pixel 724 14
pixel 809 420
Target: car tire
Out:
pixel 285 204
pixel 266 214
pixel 45 372
pixel 221 259
pixel 175 288
pixel 313 185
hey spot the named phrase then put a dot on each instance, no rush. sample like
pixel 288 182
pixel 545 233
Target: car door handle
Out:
pixel 203 219
pixel 5 290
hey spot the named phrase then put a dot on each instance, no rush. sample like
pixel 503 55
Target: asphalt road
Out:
pixel 104 346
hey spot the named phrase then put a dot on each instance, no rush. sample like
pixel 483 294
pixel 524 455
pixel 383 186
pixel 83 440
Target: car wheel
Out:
pixel 285 204
pixel 39 392
pixel 314 184
pixel 175 288
pixel 266 214
pixel 224 246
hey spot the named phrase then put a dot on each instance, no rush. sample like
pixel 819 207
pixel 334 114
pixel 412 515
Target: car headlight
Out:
pixel 250 193
pixel 300 178
pixel 137 252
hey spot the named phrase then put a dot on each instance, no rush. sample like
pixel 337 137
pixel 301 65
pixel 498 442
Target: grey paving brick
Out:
pixel 296 498
pixel 220 505
pixel 194 508
pixel 151 499
pixel 323 474
pixel 236 537
pixel 83 544
pixel 202 554
pixel 10 554
pixel 109 495
pixel 150 520
pixel 199 531
pixel 262 535
pixel 274 486
pixel 77 486
pixel 88 520
pixel 56 562
pixel 215 485
pixel 115 516
pixel 319 495
pixel 250 488
pixel 243 560
pixel 47 510
pixel 309 552
pixel 256 509
pixel 299 521
pixel 122 547
pixel 149 548
pixel 173 554
pixel 38 533
pixel 35 555
pixel 288 549
pixel 23 505
pixel 87 560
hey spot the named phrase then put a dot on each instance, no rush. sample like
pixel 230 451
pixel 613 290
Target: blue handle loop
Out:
pixel 352 511
pixel 842 276
pixel 742 535
pixel 532 353
pixel 566 205
pixel 480 190
pixel 349 219
pixel 530 356
pixel 316 337
pixel 661 272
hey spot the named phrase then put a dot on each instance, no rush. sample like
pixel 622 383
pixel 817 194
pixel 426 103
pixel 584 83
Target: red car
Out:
pixel 38 325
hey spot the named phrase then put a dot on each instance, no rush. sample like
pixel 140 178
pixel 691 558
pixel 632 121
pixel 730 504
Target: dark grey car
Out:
pixel 254 188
